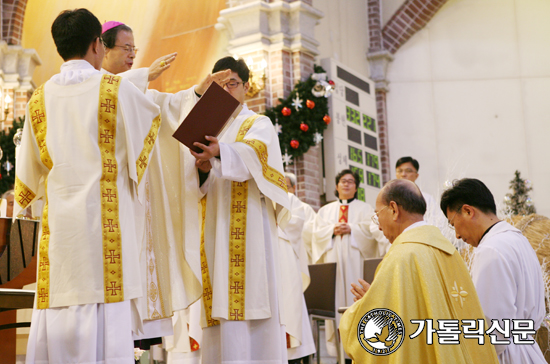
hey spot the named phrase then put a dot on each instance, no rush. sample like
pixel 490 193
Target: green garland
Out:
pixel 316 118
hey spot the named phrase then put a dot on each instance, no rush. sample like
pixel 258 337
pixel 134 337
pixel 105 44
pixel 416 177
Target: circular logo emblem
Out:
pixel 381 331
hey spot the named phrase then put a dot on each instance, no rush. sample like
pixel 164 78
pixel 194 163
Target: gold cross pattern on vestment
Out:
pixel 459 294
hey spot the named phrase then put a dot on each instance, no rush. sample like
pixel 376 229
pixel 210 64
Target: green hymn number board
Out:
pixel 355 154
pixel 359 171
pixel 361 194
pixel 371 160
pixel 369 123
pixel 353 115
pixel 373 179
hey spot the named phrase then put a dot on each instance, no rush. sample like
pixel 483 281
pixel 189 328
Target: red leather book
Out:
pixel 215 110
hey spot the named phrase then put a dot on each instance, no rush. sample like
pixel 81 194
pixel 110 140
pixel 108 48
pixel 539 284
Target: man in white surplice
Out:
pixel 246 199
pixel 407 168
pixel 295 278
pixel 170 228
pixel 86 147
pixel 505 268
pixel 343 234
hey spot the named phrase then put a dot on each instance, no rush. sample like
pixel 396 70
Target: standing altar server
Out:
pixel 86 147
pixel 342 234
pixel 246 199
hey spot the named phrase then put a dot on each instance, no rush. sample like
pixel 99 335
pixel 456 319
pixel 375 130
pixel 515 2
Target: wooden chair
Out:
pixel 18 247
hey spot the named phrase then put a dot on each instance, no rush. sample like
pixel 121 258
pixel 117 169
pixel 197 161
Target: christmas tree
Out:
pixel 518 202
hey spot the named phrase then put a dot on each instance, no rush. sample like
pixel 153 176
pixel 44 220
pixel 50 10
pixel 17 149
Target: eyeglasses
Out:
pixel 348 181
pixel 375 216
pixel 128 48
pixel 232 84
pixel 403 171
pixel 456 213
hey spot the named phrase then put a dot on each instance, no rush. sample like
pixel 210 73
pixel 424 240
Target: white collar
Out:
pixel 498 228
pixel 73 72
pixel 416 224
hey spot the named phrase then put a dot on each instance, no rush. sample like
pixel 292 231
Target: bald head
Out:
pixel 406 194
pixel 399 205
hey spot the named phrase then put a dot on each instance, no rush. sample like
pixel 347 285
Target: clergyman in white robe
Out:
pixel 246 198
pixel 170 222
pixel 348 251
pixel 295 280
pixel 88 278
pixel 508 280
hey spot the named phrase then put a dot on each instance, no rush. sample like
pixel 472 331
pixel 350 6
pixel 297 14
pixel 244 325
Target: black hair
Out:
pixel 402 193
pixel 468 191
pixel 235 65
pixel 342 174
pixel 109 37
pixel 404 160
pixel 73 31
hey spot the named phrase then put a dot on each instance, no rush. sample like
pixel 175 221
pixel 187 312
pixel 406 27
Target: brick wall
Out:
pixel 20 104
pixel 375 25
pixel 383 134
pixel 13 14
pixel 412 16
pixel 308 172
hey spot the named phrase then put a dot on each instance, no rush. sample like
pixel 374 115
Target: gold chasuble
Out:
pixel 424 279
pixel 85 149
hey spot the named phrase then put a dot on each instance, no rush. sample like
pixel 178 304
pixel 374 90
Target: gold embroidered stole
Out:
pixel 237 238
pixel 112 242
pixel 24 196
pixel 206 283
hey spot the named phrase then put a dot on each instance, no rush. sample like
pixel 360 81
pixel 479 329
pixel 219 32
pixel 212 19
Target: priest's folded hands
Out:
pixel 359 291
pixel 342 228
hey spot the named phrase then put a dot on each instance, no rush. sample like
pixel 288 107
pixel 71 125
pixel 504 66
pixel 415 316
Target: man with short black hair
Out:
pixel 86 147
pixel 422 277
pixel 246 197
pixel 407 168
pixel 505 268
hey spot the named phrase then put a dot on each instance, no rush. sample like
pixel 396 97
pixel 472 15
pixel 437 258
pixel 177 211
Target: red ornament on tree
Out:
pixel 310 104
pixel 331 82
pixel 304 127
pixel 286 111
pixel 326 119
pixel 294 143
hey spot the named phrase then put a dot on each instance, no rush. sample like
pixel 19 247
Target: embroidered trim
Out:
pixel 237 239
pixel 270 173
pixel 148 144
pixel 112 243
pixel 206 285
pixel 237 251
pixel 43 280
pixel 155 304
pixel 37 111
pixel 24 195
